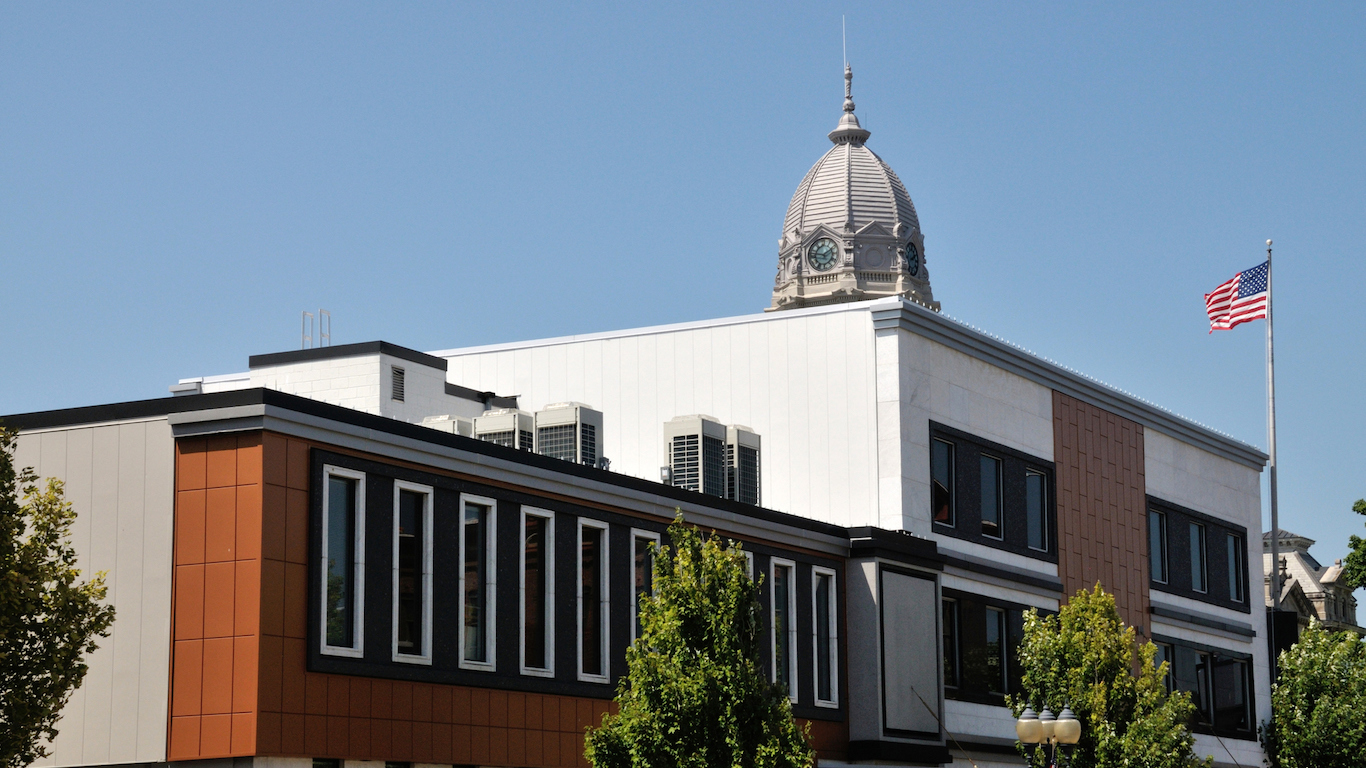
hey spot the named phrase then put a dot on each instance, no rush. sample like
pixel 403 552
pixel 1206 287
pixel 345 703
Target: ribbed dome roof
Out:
pixel 850 184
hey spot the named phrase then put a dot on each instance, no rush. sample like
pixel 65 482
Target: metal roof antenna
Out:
pixel 324 328
pixel 844 40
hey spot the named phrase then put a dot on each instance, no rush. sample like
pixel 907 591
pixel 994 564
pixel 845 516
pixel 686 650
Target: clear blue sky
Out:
pixel 178 181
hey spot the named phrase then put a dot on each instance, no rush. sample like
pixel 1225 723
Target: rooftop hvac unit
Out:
pixel 453 424
pixel 695 448
pixel 571 432
pixel 506 426
pixel 742 465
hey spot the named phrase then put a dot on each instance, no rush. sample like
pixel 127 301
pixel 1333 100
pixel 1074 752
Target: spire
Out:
pixel 849 131
pixel 848 88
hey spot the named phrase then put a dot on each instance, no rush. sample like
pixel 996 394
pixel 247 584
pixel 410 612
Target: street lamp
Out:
pixel 1047 732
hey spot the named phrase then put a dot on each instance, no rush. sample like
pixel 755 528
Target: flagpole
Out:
pixel 1271 439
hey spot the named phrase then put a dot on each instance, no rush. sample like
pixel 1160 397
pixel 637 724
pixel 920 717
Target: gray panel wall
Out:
pixel 120 480
pixel 910 653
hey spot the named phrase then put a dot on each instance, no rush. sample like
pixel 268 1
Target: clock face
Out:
pixel 912 259
pixel 823 254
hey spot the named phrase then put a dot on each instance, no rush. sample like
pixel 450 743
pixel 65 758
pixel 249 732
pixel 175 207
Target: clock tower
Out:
pixel 851 232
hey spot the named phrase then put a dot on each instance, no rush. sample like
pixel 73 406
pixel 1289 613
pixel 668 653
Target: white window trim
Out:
pixel 749 564
pixel 773 565
pixel 605 603
pixel 549 670
pixel 490 586
pixel 636 535
pixel 426 656
pixel 834 700
pixel 358 573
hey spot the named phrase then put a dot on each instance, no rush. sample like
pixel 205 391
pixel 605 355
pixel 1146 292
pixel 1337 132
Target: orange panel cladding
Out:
pixel 240 684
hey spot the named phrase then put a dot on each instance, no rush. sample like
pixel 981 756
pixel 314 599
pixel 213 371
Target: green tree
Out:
pixel 1085 657
pixel 696 694
pixel 1354 567
pixel 48 620
pixel 1318 705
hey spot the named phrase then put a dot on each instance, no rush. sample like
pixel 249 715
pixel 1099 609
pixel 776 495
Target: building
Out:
pixel 1308 588
pixel 930 480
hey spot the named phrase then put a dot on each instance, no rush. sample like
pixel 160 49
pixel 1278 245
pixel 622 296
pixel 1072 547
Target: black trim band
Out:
pixel 347 350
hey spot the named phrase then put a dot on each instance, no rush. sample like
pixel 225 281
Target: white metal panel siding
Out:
pixel 1193 477
pixel 120 480
pixel 804 383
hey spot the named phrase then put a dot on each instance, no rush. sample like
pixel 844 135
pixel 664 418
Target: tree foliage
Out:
pixel 696 694
pixel 48 620
pixel 1354 567
pixel 1085 657
pixel 1318 705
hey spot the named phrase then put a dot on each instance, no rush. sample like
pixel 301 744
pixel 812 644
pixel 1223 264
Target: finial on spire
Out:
pixel 848 88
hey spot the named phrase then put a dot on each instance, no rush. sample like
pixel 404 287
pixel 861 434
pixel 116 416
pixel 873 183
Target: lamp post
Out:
pixel 1048 733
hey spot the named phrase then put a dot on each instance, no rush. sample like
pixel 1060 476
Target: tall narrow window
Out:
pixel 477 545
pixel 1199 580
pixel 1236 569
pixel 343 566
pixel 996 649
pixel 950 630
pixel 643 583
pixel 1231 699
pixel 991 496
pixel 1165 654
pixel 412 572
pixel 592 601
pixel 1036 510
pixel 941 481
pixel 783 595
pixel 1157 545
pixel 538 588
pixel 825 626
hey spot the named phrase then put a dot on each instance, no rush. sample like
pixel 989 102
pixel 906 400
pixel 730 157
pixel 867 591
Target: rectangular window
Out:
pixel 1199 581
pixel 538 592
pixel 990 484
pixel 1036 510
pixel 950 630
pixel 643 563
pixel 996 650
pixel 941 481
pixel 412 573
pixel 825 627
pixel 593 606
pixel 1192 674
pixel 1165 654
pixel 1231 699
pixel 343 566
pixel 478 544
pixel 1236 568
pixel 783 597
pixel 1157 545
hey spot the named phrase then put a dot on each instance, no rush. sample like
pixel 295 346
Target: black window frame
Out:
pixel 1015 466
pixel 1206 719
pixel 971 685
pixel 1178 581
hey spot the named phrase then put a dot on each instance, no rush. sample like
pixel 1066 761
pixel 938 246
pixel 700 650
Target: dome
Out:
pixel 850 184
pixel 851 232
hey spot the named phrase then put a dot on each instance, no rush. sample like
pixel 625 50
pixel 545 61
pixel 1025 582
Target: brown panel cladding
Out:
pixel 240 684
pixel 1102 512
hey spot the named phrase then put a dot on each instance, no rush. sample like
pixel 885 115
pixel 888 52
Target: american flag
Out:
pixel 1239 300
